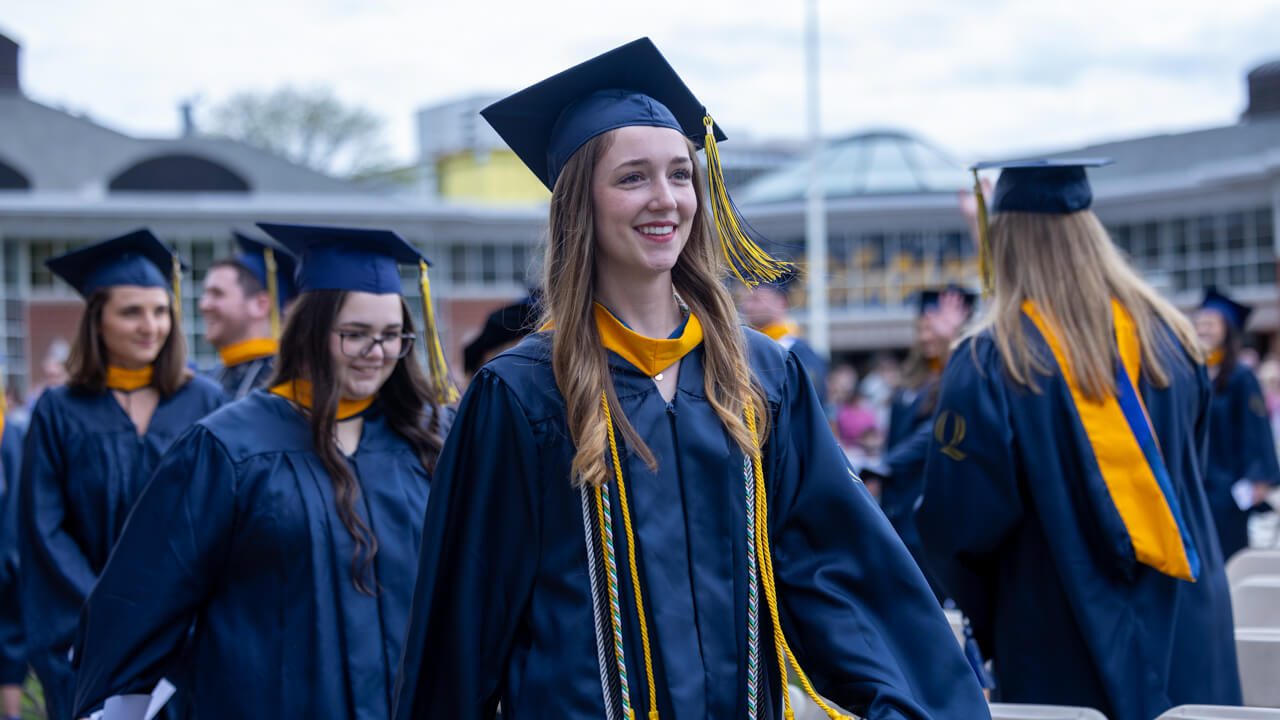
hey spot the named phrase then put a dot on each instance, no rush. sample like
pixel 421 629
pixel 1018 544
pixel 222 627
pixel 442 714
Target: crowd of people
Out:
pixel 639 507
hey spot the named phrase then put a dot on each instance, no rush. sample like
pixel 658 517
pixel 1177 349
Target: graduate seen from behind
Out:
pixel 1065 510
pixel 1242 453
pixel 244 298
pixel 287 525
pixel 92 443
pixel 641 510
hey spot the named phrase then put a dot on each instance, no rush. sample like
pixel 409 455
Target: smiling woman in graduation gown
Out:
pixel 649 587
pixel 91 444
pixel 1242 451
pixel 287 524
pixel 1065 510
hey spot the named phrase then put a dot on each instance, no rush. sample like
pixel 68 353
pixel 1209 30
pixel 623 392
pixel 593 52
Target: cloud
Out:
pixel 987 78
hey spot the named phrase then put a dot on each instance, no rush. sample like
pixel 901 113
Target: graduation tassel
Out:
pixel 177 288
pixel 984 237
pixel 741 248
pixel 273 291
pixel 446 392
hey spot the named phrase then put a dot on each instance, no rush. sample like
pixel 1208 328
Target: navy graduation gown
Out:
pixel 503 607
pixel 239 531
pixel 13 655
pixel 906 448
pixel 84 464
pixel 1010 522
pixel 1241 447
pixel 241 379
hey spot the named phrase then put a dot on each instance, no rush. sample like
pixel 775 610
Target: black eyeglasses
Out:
pixel 360 344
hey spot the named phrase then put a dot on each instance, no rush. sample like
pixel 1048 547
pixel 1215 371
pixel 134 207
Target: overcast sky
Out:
pixel 989 78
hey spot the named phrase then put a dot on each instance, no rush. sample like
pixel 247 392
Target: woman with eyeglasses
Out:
pixel 287 525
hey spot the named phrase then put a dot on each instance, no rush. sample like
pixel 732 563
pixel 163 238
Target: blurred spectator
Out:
pixel 842 383
pixel 53 369
pixel 878 386
pixel 1269 378
pixel 859 433
pixel 53 372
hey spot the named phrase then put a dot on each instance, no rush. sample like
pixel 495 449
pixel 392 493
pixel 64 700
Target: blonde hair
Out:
pixel 1067 266
pixel 578 358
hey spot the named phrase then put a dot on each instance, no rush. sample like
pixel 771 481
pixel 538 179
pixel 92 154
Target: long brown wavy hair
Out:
pixel 87 360
pixel 1067 265
pixel 578 358
pixel 405 398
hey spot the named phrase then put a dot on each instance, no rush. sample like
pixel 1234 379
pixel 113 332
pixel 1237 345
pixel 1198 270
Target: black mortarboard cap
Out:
pixel 136 258
pixel 1055 186
pixel 926 300
pixel 630 85
pixel 253 257
pixel 1234 312
pixel 503 326
pixel 337 258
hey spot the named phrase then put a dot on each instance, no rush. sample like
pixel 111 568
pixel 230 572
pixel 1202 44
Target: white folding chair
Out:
pixel 1017 711
pixel 956 619
pixel 1258 653
pixel 1252 561
pixel 1220 712
pixel 1255 602
pixel 804 708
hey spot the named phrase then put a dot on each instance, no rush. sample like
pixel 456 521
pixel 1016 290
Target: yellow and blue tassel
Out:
pixel 984 236
pixel 739 242
pixel 273 291
pixel 446 391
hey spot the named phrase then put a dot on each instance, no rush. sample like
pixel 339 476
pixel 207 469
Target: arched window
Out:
pixel 179 173
pixel 11 179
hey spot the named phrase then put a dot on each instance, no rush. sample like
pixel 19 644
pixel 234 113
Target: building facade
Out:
pixel 1190 209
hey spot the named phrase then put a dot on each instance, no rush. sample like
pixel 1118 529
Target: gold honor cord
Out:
pixel 446 391
pixel 631 559
pixel 750 263
pixel 273 291
pixel 765 563
pixel 984 236
pixel 770 586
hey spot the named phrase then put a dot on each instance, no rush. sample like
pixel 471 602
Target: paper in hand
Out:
pixel 1242 493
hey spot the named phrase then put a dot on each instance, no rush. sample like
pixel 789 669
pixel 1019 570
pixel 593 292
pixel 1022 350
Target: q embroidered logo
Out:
pixel 950 440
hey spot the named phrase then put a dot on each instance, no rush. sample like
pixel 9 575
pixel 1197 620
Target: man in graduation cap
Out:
pixel 767 308
pixel 244 297
pixel 1065 510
